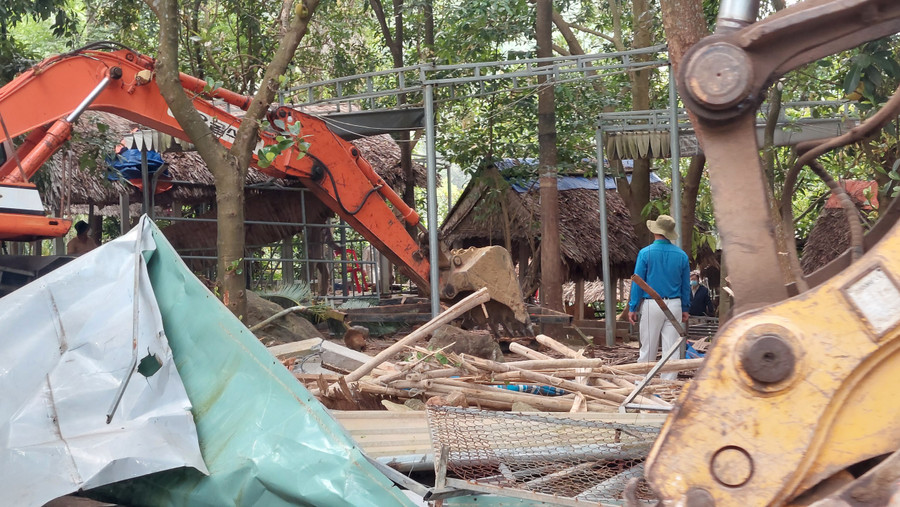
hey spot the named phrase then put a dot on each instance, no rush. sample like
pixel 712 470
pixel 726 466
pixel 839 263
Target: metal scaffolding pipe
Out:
pixel 431 208
pixel 609 309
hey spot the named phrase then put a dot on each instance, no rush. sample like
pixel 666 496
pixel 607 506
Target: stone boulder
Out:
pixel 288 328
pixel 476 343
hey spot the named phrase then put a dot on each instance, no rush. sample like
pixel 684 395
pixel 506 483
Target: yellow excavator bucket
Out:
pixel 471 269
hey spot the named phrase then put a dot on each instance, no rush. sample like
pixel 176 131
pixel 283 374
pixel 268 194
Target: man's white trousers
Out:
pixel 655 324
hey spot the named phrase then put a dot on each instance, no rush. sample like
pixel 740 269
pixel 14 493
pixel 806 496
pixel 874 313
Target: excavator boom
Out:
pixel 45 101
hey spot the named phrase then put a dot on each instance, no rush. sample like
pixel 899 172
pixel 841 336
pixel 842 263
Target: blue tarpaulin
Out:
pixel 562 182
pixel 128 164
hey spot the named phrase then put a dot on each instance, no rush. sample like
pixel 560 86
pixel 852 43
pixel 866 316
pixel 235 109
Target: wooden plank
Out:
pixel 344 359
pixel 293 349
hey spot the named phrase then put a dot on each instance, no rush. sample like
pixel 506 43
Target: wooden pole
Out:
pixel 556 346
pixel 599 363
pixel 662 304
pixel 575 387
pixel 518 348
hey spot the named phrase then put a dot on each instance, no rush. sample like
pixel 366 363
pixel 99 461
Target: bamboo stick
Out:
pixel 442 373
pixel 637 368
pixel 518 348
pixel 545 403
pixel 370 388
pixel 556 346
pixel 580 403
pixel 469 302
pixel 405 369
pixel 593 392
pixel 600 378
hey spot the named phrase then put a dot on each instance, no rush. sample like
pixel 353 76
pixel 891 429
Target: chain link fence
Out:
pixel 581 460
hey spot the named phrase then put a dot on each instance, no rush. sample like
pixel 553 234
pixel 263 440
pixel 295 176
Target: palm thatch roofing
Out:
pixel 593 292
pixel 78 172
pixel 491 212
pixel 77 176
pixel 830 237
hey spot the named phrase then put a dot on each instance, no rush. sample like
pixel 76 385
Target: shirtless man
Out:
pixel 81 243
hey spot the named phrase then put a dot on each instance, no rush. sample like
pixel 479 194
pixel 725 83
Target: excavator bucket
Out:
pixel 471 269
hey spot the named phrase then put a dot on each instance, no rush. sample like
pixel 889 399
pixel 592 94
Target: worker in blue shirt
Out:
pixel 665 268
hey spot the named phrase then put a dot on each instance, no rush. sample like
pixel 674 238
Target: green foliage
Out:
pixel 478 30
pixel 295 294
pixel 871 71
pixel 289 139
pixel 236 266
pixel 654 208
pixel 17 54
pixel 892 189
pixel 701 239
pixel 97 144
pixel 129 22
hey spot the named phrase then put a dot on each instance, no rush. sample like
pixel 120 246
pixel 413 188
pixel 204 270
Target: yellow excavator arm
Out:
pixel 796 400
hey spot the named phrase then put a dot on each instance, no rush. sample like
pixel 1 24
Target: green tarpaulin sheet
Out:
pixel 265 439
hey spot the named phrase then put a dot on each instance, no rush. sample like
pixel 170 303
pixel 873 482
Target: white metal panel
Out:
pixel 26 199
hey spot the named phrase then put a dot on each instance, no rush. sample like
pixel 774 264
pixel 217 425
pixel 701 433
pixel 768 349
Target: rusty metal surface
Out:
pixel 471 269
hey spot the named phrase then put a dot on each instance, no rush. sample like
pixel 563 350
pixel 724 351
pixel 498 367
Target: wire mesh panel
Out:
pixel 582 460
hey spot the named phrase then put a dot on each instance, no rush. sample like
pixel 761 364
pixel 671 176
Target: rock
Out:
pixel 436 401
pixel 390 406
pixel 478 344
pixel 415 404
pixel 355 337
pixel 457 399
pixel 289 328
pixel 519 406
pixel 448 400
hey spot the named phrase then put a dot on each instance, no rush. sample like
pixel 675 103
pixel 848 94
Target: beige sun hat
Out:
pixel 664 225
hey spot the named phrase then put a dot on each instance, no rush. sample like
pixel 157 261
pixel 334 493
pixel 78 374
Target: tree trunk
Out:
pixel 394 43
pixel 685 24
pixel 230 229
pixel 428 14
pixel 228 167
pixel 551 264
pixel 640 101
pixel 690 189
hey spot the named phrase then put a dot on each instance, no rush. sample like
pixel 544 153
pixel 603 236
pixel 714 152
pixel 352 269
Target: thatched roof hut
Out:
pixel 830 237
pixel 491 211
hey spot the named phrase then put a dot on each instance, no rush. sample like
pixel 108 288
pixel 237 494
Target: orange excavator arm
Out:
pixel 46 100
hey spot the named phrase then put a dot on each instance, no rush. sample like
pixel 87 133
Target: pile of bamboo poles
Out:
pixel 579 383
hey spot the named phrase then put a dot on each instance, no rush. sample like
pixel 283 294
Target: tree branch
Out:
pixel 582 28
pixel 248 133
pixel 561 50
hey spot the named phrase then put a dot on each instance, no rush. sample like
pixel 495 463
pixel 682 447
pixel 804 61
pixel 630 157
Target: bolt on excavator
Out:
pixel 44 103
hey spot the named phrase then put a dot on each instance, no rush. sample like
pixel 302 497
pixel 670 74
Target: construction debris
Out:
pixel 571 383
